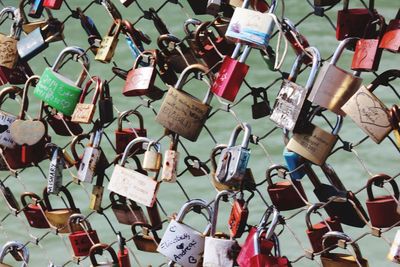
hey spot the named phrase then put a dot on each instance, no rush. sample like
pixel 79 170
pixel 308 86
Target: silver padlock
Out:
pixel 17 247
pixel 213 7
pixel 188 251
pixel 90 158
pixel 170 162
pixel 152 159
pixel 54 181
pixel 234 159
pixel 216 250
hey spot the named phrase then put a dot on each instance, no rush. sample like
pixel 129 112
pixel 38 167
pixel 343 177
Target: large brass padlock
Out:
pixel 109 43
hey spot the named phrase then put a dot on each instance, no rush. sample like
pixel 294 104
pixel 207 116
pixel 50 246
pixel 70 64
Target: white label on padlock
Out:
pixel 5 136
pixel 133 185
pixel 54 182
pixel 182 244
pixel 251 27
pixel 216 252
pixel 394 253
pixel 88 164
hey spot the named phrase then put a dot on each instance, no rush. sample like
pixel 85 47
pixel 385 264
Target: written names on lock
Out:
pixel 5 136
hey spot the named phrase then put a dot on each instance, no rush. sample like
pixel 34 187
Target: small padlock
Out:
pixel 152 158
pixel 83 240
pixel 123 252
pixel 36 9
pixel 195 166
pixel 18 250
pixel 391 38
pixel 238 217
pixel 260 109
pixel 284 194
pixel 144 241
pixel 214 180
pixel 170 162
pixel 34 211
pixel 8 43
pixel 109 43
pixel 123 136
pixel 53 4
pixel 261 260
pixel 56 166
pixel 234 159
pixel 382 209
pixel 90 158
pixel 106 107
pixel 84 113
pixel 315 232
pixel 126 213
pixel 98 249
pixel 97 194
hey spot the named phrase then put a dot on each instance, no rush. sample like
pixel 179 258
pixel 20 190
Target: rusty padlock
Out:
pixel 34 211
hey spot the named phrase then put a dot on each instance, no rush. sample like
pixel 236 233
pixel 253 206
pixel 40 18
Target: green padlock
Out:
pixel 57 90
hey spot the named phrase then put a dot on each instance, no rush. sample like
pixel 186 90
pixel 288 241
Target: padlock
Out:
pixel 291 105
pixel 61 124
pixel 313 143
pixel 58 218
pixel 394 251
pixel 176 53
pixel 234 158
pixel 98 249
pixel 213 7
pixel 195 166
pixel 170 162
pixel 133 184
pixel 260 109
pixel 189 27
pixel 30 135
pixel 217 251
pixel 34 211
pixel 345 206
pixel 248 250
pixel 391 38
pixel 6 118
pixel 316 231
pixel 97 194
pixel 126 211
pixel 231 74
pixel 188 251
pixel 152 158
pixel 352 22
pixel 9 198
pixel 90 158
pixel 337 259
pixel 84 113
pixel 106 107
pixel 368 111
pixel 252 27
pixel 261 260
pixel 199 7
pixel 76 159
pixel 56 166
pixel 284 195
pixel 259 5
pixel 238 217
pixel 9 43
pixel 144 241
pixel 36 9
pixel 183 113
pixel 18 75
pixel 125 135
pixel 58 91
pixel 53 4
pixel 15 248
pixel 81 241
pixel 109 43
pixel 294 164
pixel 382 209
pixel 28 26
pixel 334 86
pixel 214 180
pixel 321 3
pixel 296 40
pixel 211 49
pixel 367 54
pixel 140 81
pixel 123 252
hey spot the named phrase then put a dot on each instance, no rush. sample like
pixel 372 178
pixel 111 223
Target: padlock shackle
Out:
pixel 214 216
pixel 78 218
pixel 190 22
pixel 300 59
pixel 371 5
pixel 312 209
pixel 82 57
pixel 346 43
pixel 213 154
pixel 379 179
pixel 24 101
pixel 271 210
pixel 345 237
pixel 8 91
pixel 127 113
pixel 273 6
pixel 191 204
pixel 152 54
pixel 15 245
pixel 96 248
pixel 167 38
pixel 246 138
pixel 268 173
pixel 32 196
pixel 66 193
pixel 77 138
pixel 203 29
pixel 339 120
pixel 383 79
pixel 98 90
pixel 131 144
pixel 193 69
pixel 155 237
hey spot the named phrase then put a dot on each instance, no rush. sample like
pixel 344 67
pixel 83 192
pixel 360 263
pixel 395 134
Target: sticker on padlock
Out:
pixel 170 163
pixel 90 158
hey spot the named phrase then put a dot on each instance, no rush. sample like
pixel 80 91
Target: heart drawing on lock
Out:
pixel 27 132
pixel 180 246
pixel 3 128
pixel 370 111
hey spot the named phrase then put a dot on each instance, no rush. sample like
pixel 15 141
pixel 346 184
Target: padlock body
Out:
pixel 170 166
pixel 106 110
pixel 81 242
pixel 9 44
pixel 83 113
pixel 35 216
pixel 285 197
pixel 367 55
pixel 341 260
pixel 319 229
pixel 352 23
pixel 123 258
pixel 87 168
pixel 53 4
pixel 145 243
pixel 107 48
pixel 382 211
pixel 31 45
pixel 216 251
pixel 58 218
pixel 35 153
pixel 152 161
pixel 199 7
pixel 139 81
pixel 17 75
pixel 229 79
pixel 6 119
pixel 96 197
pixel 293 162
pixel 128 215
pixel 124 137
pixel 238 218
pixel 232 165
pixel 391 39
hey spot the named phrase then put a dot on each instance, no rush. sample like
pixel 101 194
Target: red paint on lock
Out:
pixel 53 4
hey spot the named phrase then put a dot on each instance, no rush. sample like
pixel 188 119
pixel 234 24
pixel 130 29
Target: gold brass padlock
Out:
pixel 152 159
pixel 109 43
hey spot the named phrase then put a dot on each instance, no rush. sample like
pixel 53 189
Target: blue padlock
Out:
pixel 293 161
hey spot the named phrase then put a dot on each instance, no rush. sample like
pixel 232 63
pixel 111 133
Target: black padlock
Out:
pixel 260 109
pixel 195 166
pixel 106 109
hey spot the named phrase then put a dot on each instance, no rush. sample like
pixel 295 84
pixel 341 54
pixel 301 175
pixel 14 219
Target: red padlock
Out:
pixel 283 194
pixel 126 213
pixel 144 241
pixel 382 209
pixel 231 74
pixel 53 4
pixel 267 260
pixel 352 22
pixel 123 253
pixel 238 217
pixel 34 211
pixel 391 39
pixel 82 240
pixel 125 135
pixel 17 75
pixel 316 231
